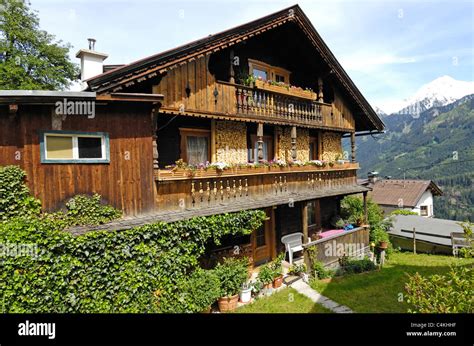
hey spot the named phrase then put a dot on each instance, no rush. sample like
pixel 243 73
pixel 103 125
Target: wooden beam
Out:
pixel 231 67
pixel 213 141
pixel 260 142
pixel 353 152
pixel 304 221
pixel 293 143
pixel 364 194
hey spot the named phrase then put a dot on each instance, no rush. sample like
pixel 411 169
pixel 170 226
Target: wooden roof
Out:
pixel 151 67
pixel 390 191
pixel 224 207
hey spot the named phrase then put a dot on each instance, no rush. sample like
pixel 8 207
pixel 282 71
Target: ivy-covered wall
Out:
pixel 44 269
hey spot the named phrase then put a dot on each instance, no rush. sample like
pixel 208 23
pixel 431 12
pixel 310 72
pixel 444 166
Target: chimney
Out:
pixel 91 61
pixel 372 177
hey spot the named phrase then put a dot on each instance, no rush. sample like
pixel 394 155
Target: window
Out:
pixel 424 210
pixel 267 148
pixel 74 147
pixel 265 71
pixel 313 148
pixel 260 236
pixel 195 146
pixel 259 73
pixel 311 213
pixel 280 78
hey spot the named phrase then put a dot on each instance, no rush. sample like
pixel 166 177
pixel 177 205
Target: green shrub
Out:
pixel 108 272
pixel 450 293
pixel 276 265
pixel 192 294
pixel 318 270
pixel 88 210
pixel 265 275
pixel 403 212
pixel 357 266
pixel 15 199
pixel 297 269
pixel 232 274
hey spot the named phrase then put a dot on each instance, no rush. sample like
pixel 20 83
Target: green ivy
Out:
pixel 15 199
pixel 108 272
pixel 88 210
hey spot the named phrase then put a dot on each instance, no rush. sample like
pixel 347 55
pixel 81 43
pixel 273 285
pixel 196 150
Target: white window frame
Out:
pixel 75 147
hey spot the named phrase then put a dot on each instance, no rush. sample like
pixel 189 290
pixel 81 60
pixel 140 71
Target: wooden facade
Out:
pixel 126 182
pixel 202 91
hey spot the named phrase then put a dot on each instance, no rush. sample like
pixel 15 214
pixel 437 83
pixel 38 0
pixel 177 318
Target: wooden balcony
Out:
pixel 269 105
pixel 252 187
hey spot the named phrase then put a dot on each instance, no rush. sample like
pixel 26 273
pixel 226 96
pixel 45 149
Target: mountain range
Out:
pixel 430 138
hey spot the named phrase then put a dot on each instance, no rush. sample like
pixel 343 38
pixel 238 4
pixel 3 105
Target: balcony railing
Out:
pixel 179 190
pixel 273 104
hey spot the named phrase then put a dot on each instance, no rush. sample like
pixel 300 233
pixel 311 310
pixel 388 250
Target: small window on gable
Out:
pixel 260 73
pixel 280 78
pixel 74 147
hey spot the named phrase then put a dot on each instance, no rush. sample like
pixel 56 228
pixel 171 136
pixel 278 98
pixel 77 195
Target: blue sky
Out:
pixel 389 48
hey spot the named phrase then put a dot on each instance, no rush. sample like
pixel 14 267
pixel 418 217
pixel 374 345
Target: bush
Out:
pixel 450 293
pixel 319 271
pixel 403 212
pixel 88 210
pixel 265 275
pixel 297 269
pixel 357 266
pixel 15 199
pixel 192 294
pixel 231 274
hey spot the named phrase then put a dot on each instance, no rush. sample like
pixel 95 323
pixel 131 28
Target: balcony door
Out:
pixel 263 241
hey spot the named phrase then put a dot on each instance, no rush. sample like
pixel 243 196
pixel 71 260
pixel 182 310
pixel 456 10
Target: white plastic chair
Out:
pixel 293 243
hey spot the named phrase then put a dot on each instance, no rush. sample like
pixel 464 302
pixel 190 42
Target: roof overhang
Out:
pixel 153 66
pixel 46 97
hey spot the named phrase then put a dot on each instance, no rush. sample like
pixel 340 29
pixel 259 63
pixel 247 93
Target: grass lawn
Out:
pixel 285 301
pixel 379 291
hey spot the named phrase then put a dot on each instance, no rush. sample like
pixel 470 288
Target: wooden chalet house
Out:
pixel 251 117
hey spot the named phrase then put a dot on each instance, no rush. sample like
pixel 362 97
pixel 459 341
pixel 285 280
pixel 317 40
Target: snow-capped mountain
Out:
pixel 440 92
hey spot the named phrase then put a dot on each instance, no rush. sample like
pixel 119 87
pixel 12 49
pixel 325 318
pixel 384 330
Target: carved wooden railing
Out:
pixel 211 191
pixel 272 104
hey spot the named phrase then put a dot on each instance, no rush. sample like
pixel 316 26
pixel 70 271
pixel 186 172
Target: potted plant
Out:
pixel 265 276
pixel 297 269
pixel 232 273
pixel 277 270
pixel 383 245
pixel 246 292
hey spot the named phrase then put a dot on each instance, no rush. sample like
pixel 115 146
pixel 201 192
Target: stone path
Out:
pixel 303 288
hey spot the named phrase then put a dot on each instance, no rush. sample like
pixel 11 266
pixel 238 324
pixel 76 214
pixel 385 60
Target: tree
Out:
pixel 30 58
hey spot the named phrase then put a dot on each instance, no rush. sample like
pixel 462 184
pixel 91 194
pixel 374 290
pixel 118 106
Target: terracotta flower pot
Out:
pixel 277 282
pixel 227 304
pixel 383 245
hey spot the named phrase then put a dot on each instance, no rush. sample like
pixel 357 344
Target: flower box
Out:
pixel 287 90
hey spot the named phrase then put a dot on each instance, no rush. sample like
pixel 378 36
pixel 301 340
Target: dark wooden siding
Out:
pixel 125 183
